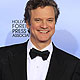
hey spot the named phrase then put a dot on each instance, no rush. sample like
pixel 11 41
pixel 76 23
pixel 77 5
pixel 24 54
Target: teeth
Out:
pixel 43 31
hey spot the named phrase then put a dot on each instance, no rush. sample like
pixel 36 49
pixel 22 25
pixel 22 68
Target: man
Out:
pixel 19 62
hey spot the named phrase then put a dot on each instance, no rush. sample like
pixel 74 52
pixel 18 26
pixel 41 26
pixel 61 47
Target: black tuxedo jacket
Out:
pixel 63 66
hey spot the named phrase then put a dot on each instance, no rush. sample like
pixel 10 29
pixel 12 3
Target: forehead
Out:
pixel 43 11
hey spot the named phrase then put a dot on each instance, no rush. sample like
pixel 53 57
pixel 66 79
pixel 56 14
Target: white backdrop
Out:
pixel 67 35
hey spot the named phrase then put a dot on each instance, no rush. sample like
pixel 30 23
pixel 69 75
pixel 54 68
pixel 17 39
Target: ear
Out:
pixel 27 25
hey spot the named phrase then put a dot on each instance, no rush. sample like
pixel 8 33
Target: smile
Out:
pixel 43 31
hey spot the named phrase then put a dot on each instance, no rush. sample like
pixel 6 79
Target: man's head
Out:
pixel 33 4
pixel 40 17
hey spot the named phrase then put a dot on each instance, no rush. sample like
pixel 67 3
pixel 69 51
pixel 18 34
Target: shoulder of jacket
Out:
pixel 65 55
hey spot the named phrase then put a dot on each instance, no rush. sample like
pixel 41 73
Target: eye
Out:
pixel 37 20
pixel 50 20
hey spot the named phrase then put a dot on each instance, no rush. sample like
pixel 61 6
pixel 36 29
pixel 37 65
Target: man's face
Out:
pixel 42 24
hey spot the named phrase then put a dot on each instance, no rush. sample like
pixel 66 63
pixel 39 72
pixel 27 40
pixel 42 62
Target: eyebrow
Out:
pixel 40 18
pixel 37 18
pixel 51 18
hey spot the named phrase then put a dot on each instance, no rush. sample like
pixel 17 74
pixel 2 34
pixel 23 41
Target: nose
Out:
pixel 44 25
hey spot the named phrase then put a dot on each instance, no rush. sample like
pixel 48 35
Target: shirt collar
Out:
pixel 49 48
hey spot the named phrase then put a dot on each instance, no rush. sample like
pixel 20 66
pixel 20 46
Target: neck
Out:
pixel 39 44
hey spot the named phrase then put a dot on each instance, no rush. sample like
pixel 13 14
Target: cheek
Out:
pixel 33 29
pixel 53 27
pixel 35 26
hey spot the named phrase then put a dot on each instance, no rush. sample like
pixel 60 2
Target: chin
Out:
pixel 43 40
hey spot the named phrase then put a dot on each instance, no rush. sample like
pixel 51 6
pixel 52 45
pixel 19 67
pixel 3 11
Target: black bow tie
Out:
pixel 44 54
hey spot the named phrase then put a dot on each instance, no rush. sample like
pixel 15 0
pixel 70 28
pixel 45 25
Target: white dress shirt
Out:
pixel 37 68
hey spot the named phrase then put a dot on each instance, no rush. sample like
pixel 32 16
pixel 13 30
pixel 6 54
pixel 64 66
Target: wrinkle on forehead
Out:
pixel 43 11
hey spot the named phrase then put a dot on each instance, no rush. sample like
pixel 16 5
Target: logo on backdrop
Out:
pixel 19 29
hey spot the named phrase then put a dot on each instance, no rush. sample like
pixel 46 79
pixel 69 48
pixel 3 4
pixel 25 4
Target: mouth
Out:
pixel 43 31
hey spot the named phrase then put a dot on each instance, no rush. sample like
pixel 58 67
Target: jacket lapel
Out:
pixel 17 62
pixel 56 67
